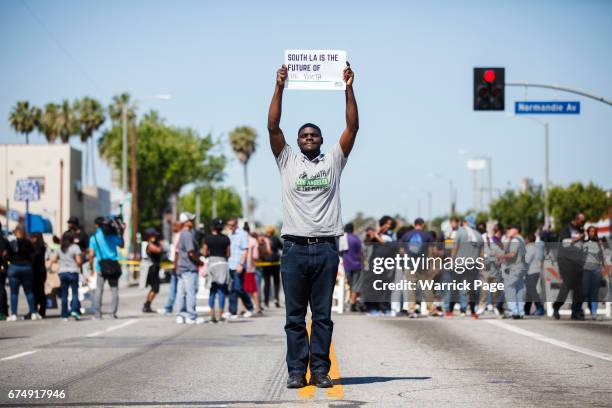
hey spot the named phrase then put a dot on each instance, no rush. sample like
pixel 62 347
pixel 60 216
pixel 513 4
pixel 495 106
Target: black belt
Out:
pixel 308 240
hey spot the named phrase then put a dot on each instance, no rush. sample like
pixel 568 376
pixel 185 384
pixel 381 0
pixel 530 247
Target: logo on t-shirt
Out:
pixel 319 181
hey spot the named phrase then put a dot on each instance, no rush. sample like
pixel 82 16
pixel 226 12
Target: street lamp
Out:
pixel 546 166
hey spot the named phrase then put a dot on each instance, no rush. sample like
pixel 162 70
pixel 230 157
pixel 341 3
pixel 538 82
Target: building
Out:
pixel 58 169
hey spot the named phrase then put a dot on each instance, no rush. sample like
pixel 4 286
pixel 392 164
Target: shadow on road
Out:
pixel 372 380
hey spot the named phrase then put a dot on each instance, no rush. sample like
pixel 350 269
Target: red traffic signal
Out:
pixel 489 86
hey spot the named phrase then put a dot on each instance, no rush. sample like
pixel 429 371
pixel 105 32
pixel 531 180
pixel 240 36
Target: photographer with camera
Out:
pixel 103 249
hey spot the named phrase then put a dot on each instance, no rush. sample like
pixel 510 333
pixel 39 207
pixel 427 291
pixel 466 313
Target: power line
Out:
pixel 60 46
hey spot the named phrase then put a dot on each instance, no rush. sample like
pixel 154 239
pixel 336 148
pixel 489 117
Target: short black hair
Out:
pixel 312 125
pixel 419 221
pixel 384 219
pixel 349 228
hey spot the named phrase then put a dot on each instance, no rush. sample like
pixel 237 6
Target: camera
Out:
pixel 112 225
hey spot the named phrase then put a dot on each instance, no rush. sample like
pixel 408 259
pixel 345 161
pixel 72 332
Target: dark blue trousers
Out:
pixel 309 276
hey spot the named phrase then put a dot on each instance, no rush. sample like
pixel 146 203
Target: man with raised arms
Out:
pixel 311 223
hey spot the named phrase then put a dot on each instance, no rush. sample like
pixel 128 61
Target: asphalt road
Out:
pixel 148 360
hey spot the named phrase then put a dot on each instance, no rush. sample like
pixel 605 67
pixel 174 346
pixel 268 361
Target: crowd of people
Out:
pixel 508 256
pixel 240 265
pixel 226 258
pixel 25 261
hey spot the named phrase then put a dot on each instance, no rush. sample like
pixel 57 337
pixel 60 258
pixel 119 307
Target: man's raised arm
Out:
pixel 277 138
pixel 347 139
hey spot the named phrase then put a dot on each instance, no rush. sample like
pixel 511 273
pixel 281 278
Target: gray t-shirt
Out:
pixel 186 244
pixel 534 255
pixel 311 192
pixel 516 264
pixel 67 260
pixel 469 243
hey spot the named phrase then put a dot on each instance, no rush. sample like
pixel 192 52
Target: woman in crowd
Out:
pixel 250 281
pixel 154 252
pixel 70 261
pixel 20 272
pixel 593 264
pixel 40 273
pixel 217 250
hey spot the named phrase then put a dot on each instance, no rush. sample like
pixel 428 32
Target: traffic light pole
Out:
pixel 562 88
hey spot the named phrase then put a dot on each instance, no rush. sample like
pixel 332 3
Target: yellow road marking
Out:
pixel 337 391
pixel 310 390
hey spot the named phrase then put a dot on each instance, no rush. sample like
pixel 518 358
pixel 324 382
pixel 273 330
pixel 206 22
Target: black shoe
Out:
pixel 321 380
pixel 578 317
pixel 353 308
pixel 556 314
pixel 296 381
pixel 277 304
pixel 114 316
pixel 147 309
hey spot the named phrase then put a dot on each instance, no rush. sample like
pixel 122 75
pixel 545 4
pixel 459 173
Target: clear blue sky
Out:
pixel 413 63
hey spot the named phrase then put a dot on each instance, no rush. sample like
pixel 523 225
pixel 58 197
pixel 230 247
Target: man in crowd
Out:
pixel 514 272
pixel 468 245
pixel 419 245
pixel 237 261
pixel 311 222
pixel 571 261
pixel 172 257
pixel 103 250
pixel 188 261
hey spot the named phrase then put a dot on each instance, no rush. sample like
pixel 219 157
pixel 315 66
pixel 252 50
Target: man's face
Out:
pixel 309 140
pixel 72 226
pixel 232 225
pixel 454 224
pixel 580 220
pixel 188 224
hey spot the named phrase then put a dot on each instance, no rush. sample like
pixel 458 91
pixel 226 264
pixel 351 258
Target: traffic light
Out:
pixel 489 89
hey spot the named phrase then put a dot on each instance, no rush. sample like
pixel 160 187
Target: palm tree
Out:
pixel 242 140
pixel 90 116
pixel 115 109
pixel 48 123
pixel 24 118
pixel 67 122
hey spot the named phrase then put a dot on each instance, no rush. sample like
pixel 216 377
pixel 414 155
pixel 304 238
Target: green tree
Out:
pixel 168 158
pixel 525 209
pixel 67 122
pixel 228 202
pixel 90 117
pixel 243 142
pixel 24 118
pixel 47 125
pixel 589 199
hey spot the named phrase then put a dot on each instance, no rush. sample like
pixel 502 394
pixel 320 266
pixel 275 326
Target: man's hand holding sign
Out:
pixel 311 212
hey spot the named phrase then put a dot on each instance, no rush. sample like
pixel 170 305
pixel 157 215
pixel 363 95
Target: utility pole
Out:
pixel 197 207
pixel 124 149
pixel 134 182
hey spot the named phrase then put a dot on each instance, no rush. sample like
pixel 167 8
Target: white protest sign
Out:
pixel 315 69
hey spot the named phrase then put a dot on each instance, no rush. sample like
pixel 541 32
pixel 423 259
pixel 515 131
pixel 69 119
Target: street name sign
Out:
pixel 315 69
pixel 552 107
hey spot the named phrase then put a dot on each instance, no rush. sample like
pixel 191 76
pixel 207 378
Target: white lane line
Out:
pixel 14 356
pixel 558 343
pixel 112 328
